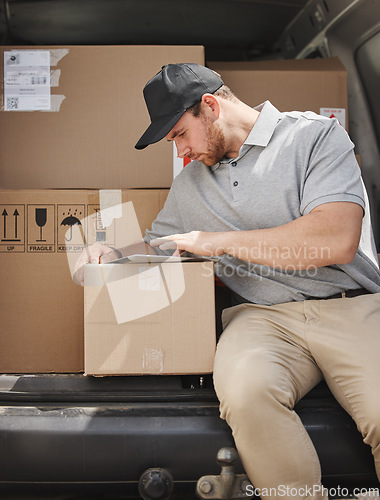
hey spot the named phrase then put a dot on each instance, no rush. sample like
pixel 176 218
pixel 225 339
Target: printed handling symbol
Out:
pixel 5 216
pixel 41 218
pixel 70 221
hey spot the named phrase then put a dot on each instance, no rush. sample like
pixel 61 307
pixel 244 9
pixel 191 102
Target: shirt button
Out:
pixel 234 164
pixel 236 183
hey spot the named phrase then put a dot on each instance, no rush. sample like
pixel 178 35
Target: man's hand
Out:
pixel 93 254
pixel 197 242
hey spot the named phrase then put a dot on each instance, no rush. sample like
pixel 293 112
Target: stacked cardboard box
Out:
pixel 70 117
pixel 318 85
pixel 73 123
pixel 43 234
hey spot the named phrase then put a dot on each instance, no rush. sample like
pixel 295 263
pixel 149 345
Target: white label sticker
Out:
pixel 338 113
pixel 27 80
pixel 110 205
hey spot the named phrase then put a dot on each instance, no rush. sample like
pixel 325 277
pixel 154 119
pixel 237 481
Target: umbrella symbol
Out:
pixel 70 221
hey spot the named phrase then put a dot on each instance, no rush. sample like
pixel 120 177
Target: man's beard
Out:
pixel 215 145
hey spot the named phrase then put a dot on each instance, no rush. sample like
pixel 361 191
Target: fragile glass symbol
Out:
pixel 41 218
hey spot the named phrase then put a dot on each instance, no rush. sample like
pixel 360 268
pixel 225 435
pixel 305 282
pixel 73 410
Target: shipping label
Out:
pixel 27 80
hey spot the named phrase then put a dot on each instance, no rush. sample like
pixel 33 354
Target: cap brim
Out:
pixel 158 130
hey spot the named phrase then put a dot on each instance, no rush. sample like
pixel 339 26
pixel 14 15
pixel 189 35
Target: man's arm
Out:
pixel 98 253
pixel 329 234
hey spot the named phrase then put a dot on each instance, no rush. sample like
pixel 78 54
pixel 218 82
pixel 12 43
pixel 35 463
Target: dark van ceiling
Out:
pixel 229 29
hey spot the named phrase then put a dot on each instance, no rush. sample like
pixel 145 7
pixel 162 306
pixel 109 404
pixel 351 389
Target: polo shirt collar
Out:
pixel 265 125
pixel 261 132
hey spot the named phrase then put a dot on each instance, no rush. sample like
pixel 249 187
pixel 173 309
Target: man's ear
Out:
pixel 211 104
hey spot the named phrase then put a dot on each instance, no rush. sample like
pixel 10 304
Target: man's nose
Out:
pixel 183 151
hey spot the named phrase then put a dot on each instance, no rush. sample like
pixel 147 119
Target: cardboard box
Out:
pixel 318 85
pixel 149 318
pixel 41 308
pixel 70 116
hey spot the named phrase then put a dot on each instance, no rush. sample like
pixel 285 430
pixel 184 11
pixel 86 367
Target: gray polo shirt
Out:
pixel 290 163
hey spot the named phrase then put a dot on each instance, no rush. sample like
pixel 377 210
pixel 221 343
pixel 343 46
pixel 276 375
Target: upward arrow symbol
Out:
pixel 16 214
pixel 5 215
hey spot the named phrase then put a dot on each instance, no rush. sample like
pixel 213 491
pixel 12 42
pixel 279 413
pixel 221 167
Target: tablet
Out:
pixel 153 259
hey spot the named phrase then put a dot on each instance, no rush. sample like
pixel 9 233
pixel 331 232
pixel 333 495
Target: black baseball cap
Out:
pixel 170 93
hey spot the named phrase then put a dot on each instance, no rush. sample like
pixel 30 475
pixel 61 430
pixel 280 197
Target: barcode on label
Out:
pixel 12 103
pixel 38 80
pixel 101 236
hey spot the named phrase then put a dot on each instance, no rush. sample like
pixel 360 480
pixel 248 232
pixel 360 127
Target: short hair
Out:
pixel 224 92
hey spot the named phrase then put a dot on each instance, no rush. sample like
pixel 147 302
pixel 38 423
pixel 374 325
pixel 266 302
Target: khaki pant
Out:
pixel 269 357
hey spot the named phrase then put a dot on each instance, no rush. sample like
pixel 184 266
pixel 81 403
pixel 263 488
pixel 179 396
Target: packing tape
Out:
pixel 55 75
pixel 55 103
pixel 110 201
pixel 56 55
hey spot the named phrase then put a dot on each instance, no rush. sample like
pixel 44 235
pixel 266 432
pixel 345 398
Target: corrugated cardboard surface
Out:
pixel 89 142
pixel 41 309
pixel 291 85
pixel 149 319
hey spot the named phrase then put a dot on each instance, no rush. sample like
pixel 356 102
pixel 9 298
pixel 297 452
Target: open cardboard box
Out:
pixel 149 318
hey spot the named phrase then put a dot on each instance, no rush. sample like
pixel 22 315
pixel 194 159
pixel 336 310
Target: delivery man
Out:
pixel 279 197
